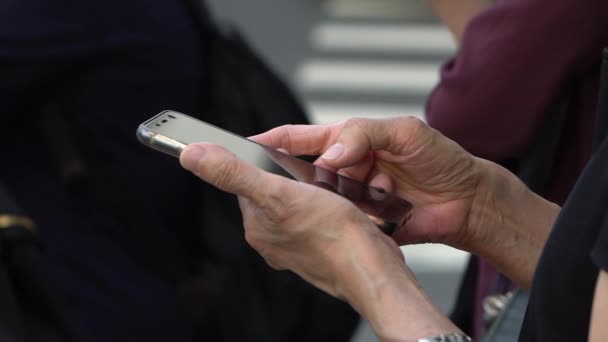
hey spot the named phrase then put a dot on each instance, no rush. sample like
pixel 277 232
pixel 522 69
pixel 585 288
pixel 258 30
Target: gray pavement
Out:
pixel 353 58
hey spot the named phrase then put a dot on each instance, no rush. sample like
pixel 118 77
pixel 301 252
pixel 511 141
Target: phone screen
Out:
pixel 171 131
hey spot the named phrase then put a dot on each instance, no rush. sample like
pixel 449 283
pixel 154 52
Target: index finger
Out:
pixel 301 139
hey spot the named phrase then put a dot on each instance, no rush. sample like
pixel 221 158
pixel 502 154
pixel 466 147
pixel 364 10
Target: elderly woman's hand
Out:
pixel 401 155
pixel 459 200
pixel 325 239
pixel 293 225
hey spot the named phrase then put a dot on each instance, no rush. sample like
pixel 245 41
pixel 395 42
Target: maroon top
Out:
pixel 515 58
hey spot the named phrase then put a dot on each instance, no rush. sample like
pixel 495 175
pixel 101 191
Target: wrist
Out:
pixel 509 224
pixel 409 315
pixel 385 292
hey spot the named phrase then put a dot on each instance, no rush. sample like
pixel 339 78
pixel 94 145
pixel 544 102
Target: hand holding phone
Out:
pixel 170 132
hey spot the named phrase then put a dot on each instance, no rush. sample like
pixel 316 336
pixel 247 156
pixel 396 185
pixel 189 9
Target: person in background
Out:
pixel 123 227
pixel 515 58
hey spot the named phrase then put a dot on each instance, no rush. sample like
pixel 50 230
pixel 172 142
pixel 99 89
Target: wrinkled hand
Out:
pixel 402 155
pixel 457 199
pixel 296 226
pixel 326 239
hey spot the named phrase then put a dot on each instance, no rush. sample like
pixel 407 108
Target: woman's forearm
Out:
pixel 456 14
pixel 383 289
pixel 510 225
pixel 406 313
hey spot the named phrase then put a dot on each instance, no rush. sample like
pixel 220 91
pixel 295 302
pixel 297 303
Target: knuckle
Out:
pixel 286 137
pixel 266 250
pixel 279 136
pixel 357 123
pixel 274 204
pixel 274 261
pixel 275 266
pixel 225 172
pixel 357 130
pixel 419 134
pixel 415 123
pixel 277 204
pixel 252 239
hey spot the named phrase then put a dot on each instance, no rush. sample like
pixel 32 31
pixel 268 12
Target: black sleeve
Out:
pixel 599 253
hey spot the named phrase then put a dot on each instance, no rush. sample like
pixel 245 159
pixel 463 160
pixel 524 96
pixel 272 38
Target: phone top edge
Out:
pixel 159 115
pixel 168 111
pixel 144 135
pixel 159 142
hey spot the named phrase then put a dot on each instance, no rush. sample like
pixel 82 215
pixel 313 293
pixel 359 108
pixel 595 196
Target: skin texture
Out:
pixel 458 200
pixel 453 193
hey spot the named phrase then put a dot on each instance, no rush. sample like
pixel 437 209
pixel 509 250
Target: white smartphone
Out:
pixel 170 132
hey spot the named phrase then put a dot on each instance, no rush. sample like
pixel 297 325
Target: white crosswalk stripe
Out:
pixel 372 76
pixel 324 112
pixel 383 9
pixel 383 38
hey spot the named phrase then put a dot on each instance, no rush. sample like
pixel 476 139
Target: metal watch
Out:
pixel 454 337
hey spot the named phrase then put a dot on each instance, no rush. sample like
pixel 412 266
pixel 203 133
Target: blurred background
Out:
pixel 357 58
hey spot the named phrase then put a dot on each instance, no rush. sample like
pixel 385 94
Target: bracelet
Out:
pixel 453 337
pixel 8 221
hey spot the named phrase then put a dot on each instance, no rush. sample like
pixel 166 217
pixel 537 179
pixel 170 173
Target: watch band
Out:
pixel 453 337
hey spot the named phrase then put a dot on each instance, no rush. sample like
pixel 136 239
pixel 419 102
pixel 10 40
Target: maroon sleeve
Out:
pixel 514 58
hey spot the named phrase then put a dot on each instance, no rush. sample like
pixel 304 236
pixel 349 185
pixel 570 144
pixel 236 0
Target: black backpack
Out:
pixel 32 307
pixel 238 297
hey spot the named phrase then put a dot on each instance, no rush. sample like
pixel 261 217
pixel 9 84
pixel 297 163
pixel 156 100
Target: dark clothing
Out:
pixel 124 237
pixel 564 283
pixel 516 57
pixel 32 306
pixel 565 279
pixel 599 253
pixel 116 248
